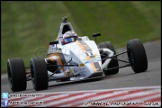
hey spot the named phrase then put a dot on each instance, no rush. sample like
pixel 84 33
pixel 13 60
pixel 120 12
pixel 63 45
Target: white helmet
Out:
pixel 69 36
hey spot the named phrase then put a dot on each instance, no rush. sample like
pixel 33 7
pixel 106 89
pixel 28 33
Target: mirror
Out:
pixel 53 42
pixel 96 34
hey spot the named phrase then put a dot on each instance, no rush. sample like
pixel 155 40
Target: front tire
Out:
pixel 137 55
pixel 39 73
pixel 16 74
pixel 113 62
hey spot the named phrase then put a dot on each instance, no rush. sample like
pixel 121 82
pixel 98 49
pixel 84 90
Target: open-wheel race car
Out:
pixel 72 58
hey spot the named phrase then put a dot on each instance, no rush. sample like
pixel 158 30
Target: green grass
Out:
pixel 28 27
pixel 118 21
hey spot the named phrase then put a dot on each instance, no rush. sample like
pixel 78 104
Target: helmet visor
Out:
pixel 69 39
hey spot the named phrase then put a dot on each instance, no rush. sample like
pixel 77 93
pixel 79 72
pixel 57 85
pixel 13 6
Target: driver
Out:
pixel 68 37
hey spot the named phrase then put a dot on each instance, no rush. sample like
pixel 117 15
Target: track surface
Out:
pixel 125 78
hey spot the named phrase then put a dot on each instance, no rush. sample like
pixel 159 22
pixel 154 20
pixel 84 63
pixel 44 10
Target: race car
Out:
pixel 80 59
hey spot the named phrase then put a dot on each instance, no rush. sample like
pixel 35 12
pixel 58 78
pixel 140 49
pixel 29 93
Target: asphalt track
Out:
pixel 124 79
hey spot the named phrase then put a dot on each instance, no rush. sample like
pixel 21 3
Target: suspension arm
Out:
pixel 62 65
pixel 121 60
pixel 119 54
pixel 127 65
pixel 114 55
pixel 60 68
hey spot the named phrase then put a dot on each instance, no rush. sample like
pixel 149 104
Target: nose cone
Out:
pixel 88 54
pixel 91 59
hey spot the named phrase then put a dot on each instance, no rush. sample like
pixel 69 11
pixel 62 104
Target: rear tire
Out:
pixel 39 73
pixel 16 74
pixel 137 55
pixel 113 62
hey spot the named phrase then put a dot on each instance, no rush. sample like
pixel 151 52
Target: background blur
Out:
pixel 28 27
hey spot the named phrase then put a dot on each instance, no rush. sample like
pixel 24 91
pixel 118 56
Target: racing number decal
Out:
pixel 86 48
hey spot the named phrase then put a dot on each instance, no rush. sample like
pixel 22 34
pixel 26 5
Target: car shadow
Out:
pixel 66 83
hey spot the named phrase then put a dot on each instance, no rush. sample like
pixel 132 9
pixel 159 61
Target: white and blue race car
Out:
pixel 79 60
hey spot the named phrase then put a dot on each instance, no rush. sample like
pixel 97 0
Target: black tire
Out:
pixel 16 74
pixel 137 55
pixel 39 73
pixel 113 62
